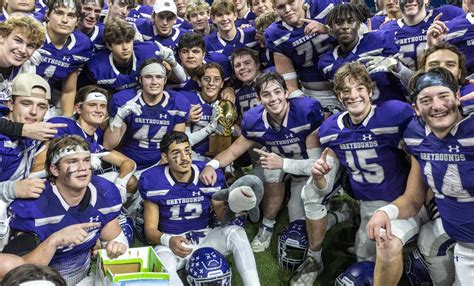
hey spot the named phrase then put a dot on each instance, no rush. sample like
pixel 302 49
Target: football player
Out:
pixel 91 111
pixel 228 36
pixel 391 11
pixel 449 57
pixel 21 37
pixel 192 54
pixel 365 139
pixel 117 9
pixel 285 127
pixel 458 31
pixel 31 95
pixel 160 27
pixel 71 196
pixel 204 120
pixel 246 66
pixel 296 50
pixel 197 13
pixel 245 15
pixel 64 52
pixel 438 142
pixel 260 7
pixel 140 118
pixel 410 31
pixel 177 211
pixel 345 21
pixel 89 22
pixel 115 69
pixel 24 7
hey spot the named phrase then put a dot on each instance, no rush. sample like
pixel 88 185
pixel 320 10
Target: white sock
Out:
pixel 269 223
pixel 315 254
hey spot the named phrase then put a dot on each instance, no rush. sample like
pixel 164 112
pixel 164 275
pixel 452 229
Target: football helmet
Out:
pixel 126 224
pixel 417 270
pixel 293 245
pixel 208 266
pixel 358 274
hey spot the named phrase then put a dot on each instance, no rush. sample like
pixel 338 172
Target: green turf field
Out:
pixel 335 256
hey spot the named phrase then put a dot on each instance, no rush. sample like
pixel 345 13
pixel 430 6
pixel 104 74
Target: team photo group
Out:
pixel 245 142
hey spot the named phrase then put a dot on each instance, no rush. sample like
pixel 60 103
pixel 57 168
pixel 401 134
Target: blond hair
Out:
pixel 25 25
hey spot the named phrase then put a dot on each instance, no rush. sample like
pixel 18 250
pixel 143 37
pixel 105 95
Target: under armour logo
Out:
pixel 166 4
pixel 366 137
pixel 93 219
pixel 163 116
pixel 66 58
pixel 452 148
pixel 288 136
pixel 195 193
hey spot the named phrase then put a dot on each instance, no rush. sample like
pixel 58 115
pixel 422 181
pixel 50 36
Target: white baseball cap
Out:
pixel 165 5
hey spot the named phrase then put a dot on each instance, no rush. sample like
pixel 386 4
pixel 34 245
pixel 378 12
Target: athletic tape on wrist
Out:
pixel 391 210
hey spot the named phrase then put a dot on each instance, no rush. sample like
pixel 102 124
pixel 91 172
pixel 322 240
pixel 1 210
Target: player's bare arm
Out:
pixel 69 87
pixel 112 235
pixel 208 175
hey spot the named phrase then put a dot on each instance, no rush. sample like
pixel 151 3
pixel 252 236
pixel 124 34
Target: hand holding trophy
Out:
pixel 226 119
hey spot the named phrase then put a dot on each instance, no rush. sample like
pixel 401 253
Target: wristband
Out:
pixel 165 239
pixel 391 210
pixel 214 164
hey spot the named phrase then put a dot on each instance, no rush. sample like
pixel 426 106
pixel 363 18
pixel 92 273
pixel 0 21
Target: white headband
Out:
pixel 96 96
pixel 37 283
pixel 153 69
pixel 69 150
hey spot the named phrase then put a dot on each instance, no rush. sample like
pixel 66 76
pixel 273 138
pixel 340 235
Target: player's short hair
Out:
pixel 191 40
pixel 100 2
pixel 53 4
pixel 118 31
pixel 245 51
pixel 32 272
pixel 250 2
pixel 223 6
pixel 200 71
pixel 451 48
pixel 55 147
pixel 25 25
pixel 265 78
pixel 196 5
pixel 438 76
pixel 263 21
pixel 358 12
pixel 86 90
pixel 357 72
pixel 172 137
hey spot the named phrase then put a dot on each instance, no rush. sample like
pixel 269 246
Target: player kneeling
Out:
pixel 177 210
pixel 72 196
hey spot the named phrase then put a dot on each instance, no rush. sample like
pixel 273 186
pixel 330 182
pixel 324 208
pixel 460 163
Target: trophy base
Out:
pixel 218 143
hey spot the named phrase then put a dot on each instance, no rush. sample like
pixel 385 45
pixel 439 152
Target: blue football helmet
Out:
pixel 417 270
pixel 208 266
pixel 293 245
pixel 126 224
pixel 358 274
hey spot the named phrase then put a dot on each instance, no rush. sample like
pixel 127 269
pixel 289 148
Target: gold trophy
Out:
pixel 218 143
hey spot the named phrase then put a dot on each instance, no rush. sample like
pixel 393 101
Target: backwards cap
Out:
pixel 24 83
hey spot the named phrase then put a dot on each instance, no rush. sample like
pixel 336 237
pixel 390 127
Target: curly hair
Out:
pixel 357 72
pixel 118 31
pixel 25 25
